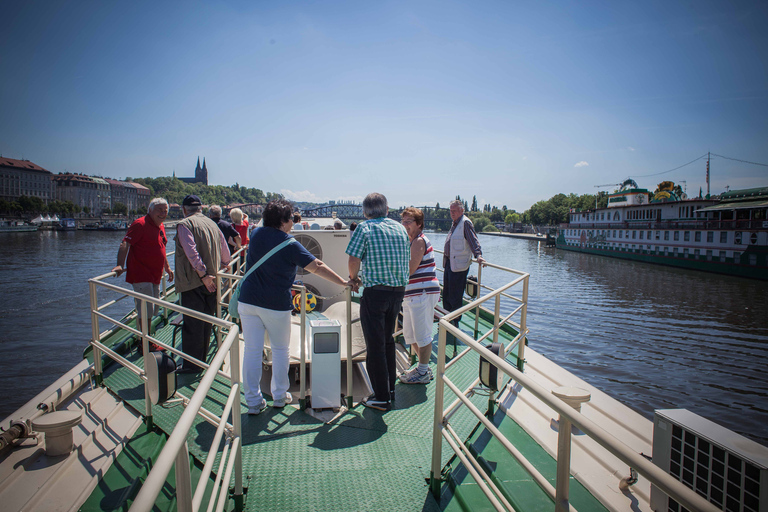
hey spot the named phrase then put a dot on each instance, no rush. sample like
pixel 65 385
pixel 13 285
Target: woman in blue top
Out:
pixel 265 302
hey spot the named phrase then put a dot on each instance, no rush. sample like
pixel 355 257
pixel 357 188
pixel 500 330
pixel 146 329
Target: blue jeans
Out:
pixel 378 318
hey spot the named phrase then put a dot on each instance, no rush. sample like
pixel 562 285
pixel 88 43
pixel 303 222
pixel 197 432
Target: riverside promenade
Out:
pixel 527 236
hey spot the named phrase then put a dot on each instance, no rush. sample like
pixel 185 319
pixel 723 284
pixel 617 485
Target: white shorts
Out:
pixel 151 289
pixel 418 315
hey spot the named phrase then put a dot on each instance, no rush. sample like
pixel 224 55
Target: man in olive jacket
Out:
pixel 201 251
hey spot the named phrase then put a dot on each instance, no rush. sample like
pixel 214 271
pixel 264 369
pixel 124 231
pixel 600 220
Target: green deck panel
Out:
pixel 517 485
pixel 118 488
pixel 364 460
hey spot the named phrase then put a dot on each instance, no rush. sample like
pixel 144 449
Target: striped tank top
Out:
pixel 424 280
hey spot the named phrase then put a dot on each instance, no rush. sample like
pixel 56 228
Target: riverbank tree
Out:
pixel 174 190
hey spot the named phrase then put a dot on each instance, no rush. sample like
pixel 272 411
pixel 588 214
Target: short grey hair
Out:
pixel 155 202
pixel 189 210
pixel 456 202
pixel 215 212
pixel 375 206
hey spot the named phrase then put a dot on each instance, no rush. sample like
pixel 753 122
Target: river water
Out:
pixel 651 336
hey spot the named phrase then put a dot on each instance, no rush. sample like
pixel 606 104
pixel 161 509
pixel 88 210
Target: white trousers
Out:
pixel 257 323
pixel 418 315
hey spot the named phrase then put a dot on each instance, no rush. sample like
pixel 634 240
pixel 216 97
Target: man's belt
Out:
pixel 382 288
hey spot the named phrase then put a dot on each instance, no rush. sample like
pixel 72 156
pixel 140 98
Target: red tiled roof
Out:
pixel 21 164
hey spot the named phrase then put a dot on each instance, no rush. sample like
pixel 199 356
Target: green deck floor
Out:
pixel 364 460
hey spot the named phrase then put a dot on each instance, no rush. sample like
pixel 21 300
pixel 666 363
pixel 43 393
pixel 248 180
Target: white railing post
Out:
pixel 95 333
pixel 435 477
pixel 523 324
pixel 183 481
pixel 477 294
pixel 348 296
pixel 218 308
pixel 144 323
pixel 303 351
pixel 234 363
pixel 573 397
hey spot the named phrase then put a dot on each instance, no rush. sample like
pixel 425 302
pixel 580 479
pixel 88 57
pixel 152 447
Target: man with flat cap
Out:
pixel 201 251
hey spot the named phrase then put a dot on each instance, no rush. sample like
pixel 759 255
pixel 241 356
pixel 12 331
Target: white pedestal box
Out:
pixel 325 370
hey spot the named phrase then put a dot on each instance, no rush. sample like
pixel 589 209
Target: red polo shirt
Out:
pixel 146 256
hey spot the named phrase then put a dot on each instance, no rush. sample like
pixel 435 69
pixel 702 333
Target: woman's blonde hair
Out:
pixel 236 214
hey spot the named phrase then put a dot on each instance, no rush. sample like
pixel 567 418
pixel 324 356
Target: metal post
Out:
pixel 477 293
pixel 183 481
pixel 496 314
pixel 303 362
pixel 145 351
pixel 435 476
pixel 218 309
pixel 97 367
pixel 523 328
pixel 573 397
pixel 234 363
pixel 350 399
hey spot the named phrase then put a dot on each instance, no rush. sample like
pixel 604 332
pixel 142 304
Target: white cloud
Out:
pixel 630 148
pixel 302 195
pixel 581 164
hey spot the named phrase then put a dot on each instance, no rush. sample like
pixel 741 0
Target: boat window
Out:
pixel 649 235
pixel 641 235
pixel 753 238
pixel 677 236
pixel 737 238
pixel 697 237
pixel 620 233
pixel 685 252
pixel 666 235
pixel 709 255
pixel 687 236
pixel 634 235
pixel 697 253
pixel 710 236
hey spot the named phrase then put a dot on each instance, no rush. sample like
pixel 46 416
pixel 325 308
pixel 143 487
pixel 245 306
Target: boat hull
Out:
pixel 728 267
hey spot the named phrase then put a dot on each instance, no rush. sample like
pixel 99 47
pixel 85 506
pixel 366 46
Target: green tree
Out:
pixel 490 228
pixel 474 203
pixel 120 209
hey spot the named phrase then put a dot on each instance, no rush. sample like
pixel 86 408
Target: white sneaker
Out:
pixel 282 402
pixel 414 377
pixel 258 408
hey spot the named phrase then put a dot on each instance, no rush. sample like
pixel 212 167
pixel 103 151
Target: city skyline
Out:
pixel 512 103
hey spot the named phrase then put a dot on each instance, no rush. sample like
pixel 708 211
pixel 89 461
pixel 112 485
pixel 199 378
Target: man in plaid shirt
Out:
pixel 381 246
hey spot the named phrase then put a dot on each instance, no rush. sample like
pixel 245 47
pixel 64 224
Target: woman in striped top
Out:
pixel 421 296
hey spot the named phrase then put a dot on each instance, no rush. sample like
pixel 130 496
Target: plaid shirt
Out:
pixel 383 246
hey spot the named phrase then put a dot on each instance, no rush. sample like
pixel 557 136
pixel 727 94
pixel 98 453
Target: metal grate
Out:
pixel 716 471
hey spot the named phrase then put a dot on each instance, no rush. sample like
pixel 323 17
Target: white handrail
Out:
pixel 172 452
pixel 677 490
pixel 155 481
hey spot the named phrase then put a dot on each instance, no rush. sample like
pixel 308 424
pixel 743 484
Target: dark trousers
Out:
pixel 454 284
pixel 378 318
pixel 195 334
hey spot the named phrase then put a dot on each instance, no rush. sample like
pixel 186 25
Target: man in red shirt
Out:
pixel 144 244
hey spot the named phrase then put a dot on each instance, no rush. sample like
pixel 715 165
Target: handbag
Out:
pixel 233 300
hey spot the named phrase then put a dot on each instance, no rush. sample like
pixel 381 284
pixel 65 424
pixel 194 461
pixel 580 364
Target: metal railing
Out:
pixel 175 453
pixel 559 494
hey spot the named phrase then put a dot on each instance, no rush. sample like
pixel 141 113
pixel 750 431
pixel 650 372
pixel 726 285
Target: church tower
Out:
pixel 203 173
pixel 198 170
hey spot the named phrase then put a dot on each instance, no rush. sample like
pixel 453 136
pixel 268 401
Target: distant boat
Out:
pixel 116 225
pixel 16 226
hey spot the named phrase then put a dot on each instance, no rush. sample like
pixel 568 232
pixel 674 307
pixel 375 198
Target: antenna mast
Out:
pixel 707 174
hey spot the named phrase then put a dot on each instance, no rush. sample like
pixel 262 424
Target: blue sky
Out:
pixel 510 101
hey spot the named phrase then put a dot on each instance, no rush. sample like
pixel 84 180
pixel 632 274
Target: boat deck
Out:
pixel 360 460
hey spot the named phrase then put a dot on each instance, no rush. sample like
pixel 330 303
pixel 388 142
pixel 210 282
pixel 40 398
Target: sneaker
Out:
pixel 431 375
pixel 257 409
pixel 413 376
pixel 279 404
pixel 379 405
